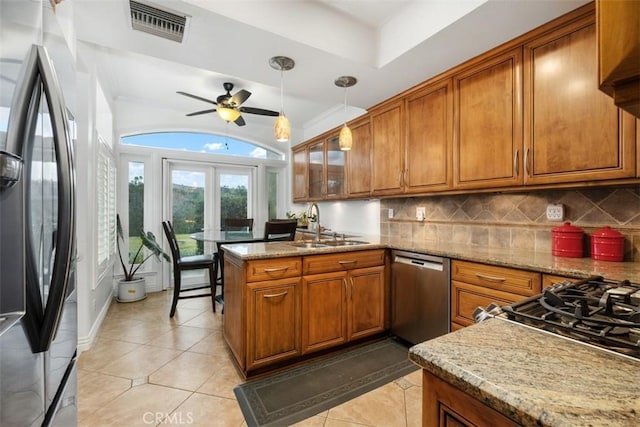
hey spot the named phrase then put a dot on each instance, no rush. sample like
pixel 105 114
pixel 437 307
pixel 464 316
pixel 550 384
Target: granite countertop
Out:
pixel 534 377
pixel 522 259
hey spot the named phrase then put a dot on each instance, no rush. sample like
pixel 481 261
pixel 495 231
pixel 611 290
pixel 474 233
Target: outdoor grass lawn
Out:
pixel 188 246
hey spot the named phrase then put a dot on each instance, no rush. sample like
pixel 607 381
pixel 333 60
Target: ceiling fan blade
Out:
pixel 259 111
pixel 213 110
pixel 240 121
pixel 197 97
pixel 240 97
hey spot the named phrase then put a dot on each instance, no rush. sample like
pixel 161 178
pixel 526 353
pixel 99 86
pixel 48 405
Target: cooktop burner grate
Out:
pixel 599 312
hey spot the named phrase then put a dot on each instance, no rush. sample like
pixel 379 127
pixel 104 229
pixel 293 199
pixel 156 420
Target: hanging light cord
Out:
pixel 281 91
pixel 345 105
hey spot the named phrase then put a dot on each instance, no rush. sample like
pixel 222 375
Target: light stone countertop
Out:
pixel 522 259
pixel 534 377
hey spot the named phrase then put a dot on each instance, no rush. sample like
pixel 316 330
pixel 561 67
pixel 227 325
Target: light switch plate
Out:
pixel 390 213
pixel 555 212
pixel 420 213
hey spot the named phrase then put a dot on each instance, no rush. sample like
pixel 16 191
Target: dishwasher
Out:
pixel 420 296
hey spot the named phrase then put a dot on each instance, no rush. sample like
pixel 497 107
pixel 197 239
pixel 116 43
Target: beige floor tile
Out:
pixel 413 401
pixel 415 378
pixel 103 352
pixel 315 421
pixel 180 337
pixel 97 390
pixel 188 371
pixel 206 411
pixel 136 331
pixel 382 407
pixel 141 362
pixel 207 319
pixel 340 423
pixel 213 343
pixel 139 406
pixel 223 380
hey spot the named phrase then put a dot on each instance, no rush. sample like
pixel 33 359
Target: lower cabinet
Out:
pixel 341 306
pixel 478 285
pixel 273 321
pixel 445 405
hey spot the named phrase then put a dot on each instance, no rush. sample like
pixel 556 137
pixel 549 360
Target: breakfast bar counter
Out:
pixel 533 377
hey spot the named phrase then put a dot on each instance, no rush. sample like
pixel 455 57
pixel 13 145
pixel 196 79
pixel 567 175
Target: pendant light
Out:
pixel 282 127
pixel 345 139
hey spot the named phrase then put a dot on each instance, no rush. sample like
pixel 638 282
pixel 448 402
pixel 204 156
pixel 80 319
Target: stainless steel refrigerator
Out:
pixel 38 316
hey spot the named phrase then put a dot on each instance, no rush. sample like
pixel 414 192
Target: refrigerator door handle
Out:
pixel 65 232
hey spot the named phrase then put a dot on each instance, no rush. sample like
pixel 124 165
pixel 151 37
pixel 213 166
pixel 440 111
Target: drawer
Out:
pixel 521 282
pixel 315 264
pixel 465 298
pixel 277 268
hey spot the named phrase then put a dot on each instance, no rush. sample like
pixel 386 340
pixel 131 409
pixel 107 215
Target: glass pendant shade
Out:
pixel 282 128
pixel 228 114
pixel 345 139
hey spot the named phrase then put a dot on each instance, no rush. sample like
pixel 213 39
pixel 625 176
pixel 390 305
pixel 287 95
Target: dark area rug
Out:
pixel 291 396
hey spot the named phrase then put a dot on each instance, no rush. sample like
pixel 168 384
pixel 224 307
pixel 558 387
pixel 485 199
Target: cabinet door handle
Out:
pixel 490 278
pixel 344 282
pixel 526 162
pixel 515 162
pixel 350 261
pixel 281 294
pixel 351 280
pixel 275 269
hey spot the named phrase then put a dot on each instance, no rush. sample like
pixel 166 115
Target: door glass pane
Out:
pixel 136 208
pixel 234 188
pixel 187 216
pixel 272 188
pixel 335 168
pixel 316 178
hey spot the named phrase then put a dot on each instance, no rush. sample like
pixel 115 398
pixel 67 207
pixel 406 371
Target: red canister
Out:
pixel 567 241
pixel 607 245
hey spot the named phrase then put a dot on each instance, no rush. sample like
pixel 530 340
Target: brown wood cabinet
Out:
pixel 478 285
pixel 618 29
pixel 445 405
pixel 487 137
pixel 428 140
pixel 359 159
pixel 279 309
pixel 325 169
pixel 343 298
pixel 387 148
pixel 573 132
pixel 300 160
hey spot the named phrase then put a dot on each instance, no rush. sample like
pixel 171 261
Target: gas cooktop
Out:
pixel 594 311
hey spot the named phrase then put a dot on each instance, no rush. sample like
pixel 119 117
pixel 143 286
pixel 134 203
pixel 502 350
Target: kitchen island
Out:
pixel 527 376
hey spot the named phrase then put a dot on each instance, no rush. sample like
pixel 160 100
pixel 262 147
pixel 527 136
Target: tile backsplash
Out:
pixel 502 220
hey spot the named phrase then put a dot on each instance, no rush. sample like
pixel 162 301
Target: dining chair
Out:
pixel 238 224
pixel 280 229
pixel 180 264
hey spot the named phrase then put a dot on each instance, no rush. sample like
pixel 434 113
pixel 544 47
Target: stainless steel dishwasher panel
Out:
pixel 420 296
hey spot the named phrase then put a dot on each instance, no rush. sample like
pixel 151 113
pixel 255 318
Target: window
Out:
pixel 136 208
pixel 106 195
pixel 201 143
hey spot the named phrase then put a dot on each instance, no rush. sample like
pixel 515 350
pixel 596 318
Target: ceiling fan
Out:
pixel 229 107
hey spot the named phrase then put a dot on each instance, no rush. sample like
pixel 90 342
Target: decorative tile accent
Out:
pixel 515 220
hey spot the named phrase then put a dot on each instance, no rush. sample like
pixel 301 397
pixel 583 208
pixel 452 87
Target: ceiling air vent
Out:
pixel 156 21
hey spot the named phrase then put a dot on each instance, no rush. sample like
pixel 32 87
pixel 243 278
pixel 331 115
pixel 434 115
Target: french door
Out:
pixel 198 196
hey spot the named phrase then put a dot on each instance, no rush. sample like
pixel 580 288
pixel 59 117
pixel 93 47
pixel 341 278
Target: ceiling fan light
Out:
pixel 282 128
pixel 228 114
pixel 345 139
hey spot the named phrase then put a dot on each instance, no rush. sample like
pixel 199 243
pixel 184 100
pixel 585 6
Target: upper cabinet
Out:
pixel 300 157
pixel 573 132
pixel 487 137
pixel 386 148
pixel 618 33
pixel 359 159
pixel 427 153
pixel 326 169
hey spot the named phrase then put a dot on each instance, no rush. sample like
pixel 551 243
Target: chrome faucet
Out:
pixel 310 215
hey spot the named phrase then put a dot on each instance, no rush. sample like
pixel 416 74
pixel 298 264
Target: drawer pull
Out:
pixel 275 269
pixel 490 278
pixel 276 295
pixel 352 261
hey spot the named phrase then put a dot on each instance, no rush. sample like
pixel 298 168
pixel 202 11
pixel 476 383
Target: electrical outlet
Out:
pixel 390 213
pixel 420 213
pixel 555 212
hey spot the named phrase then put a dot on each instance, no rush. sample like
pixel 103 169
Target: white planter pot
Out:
pixel 133 290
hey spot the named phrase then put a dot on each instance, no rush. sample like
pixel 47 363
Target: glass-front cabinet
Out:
pixel 325 169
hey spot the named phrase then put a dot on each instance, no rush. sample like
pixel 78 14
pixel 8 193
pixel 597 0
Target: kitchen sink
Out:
pixel 309 245
pixel 344 242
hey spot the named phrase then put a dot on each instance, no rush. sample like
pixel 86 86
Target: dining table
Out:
pixel 221 237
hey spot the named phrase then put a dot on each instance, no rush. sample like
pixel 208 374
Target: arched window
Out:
pixel 201 143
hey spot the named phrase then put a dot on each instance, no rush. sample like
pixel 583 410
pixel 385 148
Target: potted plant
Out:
pixel 130 287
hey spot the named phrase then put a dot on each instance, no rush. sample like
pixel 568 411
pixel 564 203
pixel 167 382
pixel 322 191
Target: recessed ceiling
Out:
pixel 388 46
